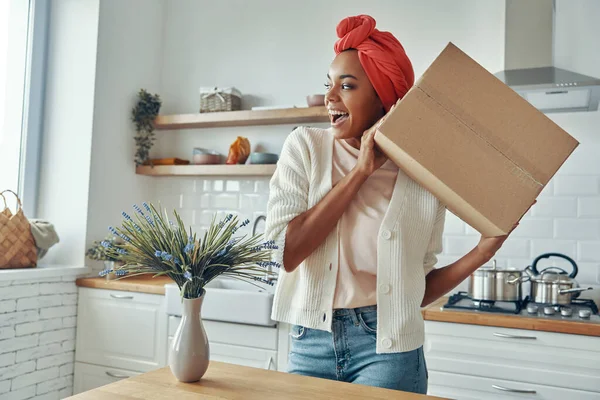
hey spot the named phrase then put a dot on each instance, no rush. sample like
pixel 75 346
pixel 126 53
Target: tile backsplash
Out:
pixel 198 200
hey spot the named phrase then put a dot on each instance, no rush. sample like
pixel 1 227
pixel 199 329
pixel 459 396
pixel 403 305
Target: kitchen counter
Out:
pixel 228 381
pixel 434 312
pixel 140 284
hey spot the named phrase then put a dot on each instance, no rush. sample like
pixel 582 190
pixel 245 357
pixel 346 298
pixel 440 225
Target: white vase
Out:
pixel 189 353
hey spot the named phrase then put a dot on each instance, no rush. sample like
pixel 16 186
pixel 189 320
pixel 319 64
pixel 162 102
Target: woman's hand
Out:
pixel 371 158
pixel 488 246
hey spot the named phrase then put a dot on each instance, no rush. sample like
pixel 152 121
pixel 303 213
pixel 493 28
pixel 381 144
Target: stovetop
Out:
pixel 580 310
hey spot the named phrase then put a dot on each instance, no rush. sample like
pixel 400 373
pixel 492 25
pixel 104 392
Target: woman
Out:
pixel 357 238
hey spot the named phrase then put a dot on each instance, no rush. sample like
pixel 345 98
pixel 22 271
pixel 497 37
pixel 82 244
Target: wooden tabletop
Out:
pixel 228 381
pixel 141 284
pixel 434 312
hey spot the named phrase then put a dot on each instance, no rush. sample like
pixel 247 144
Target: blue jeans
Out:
pixel 348 354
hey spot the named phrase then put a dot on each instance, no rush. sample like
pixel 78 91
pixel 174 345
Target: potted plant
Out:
pixel 98 252
pixel 154 244
pixel 143 114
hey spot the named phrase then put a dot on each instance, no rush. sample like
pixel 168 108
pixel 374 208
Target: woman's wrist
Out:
pixel 357 175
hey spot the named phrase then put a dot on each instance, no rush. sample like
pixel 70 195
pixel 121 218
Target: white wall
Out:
pixel 129 58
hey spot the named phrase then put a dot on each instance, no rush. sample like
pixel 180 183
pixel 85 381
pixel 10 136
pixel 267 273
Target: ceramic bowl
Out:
pixel 315 100
pixel 204 157
pixel 263 158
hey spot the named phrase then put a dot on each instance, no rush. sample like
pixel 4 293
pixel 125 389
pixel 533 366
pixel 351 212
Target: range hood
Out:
pixel 529 68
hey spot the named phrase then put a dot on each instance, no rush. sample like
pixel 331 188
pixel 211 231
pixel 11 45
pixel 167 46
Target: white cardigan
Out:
pixel 410 238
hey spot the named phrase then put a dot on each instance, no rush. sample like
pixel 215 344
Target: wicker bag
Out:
pixel 213 99
pixel 17 246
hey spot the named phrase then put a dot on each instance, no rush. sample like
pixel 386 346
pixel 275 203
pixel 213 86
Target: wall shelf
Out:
pixel 207 170
pixel 242 118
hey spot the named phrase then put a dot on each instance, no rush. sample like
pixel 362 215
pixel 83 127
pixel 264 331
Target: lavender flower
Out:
pixel 121 251
pixel 149 220
pixel 113 231
pixel 187 275
pixel 121 272
pixel 126 216
pixel 105 272
pixel 189 248
pixel 125 238
pixel 261 280
pixel 147 207
pixel 106 244
pixel 158 253
pixel 138 209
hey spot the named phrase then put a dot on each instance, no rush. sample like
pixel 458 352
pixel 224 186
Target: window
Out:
pixel 22 57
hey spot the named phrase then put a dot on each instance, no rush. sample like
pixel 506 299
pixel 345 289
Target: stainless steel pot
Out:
pixel 553 285
pixel 492 284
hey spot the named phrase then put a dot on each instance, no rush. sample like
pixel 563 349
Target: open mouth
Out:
pixel 337 117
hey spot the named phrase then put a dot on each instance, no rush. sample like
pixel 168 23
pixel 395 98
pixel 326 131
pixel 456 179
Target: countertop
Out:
pixel 228 381
pixel 434 312
pixel 140 284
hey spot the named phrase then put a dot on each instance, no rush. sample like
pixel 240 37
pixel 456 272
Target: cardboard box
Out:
pixel 474 143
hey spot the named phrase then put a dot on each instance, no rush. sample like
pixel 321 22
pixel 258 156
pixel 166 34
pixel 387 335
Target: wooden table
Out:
pixel 140 284
pixel 228 381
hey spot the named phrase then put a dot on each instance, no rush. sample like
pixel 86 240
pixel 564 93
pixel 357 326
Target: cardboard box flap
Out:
pixel 497 114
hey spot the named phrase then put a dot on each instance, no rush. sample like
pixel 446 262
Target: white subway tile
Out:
pixel 54 385
pixel 66 392
pixel 187 216
pixel 188 185
pixel 587 273
pixel 32 303
pixel 69 322
pixel 588 251
pixel 69 278
pixel 222 214
pixel 18 317
pixel 533 228
pixel 454 225
pixel 7 332
pixel 4 386
pixel 253 202
pixel 460 245
pixel 5 283
pixel 55 312
pixel 38 280
pixel 7 306
pixel 206 217
pixel 566 247
pixel 232 186
pixel 15 292
pixel 67 369
pixel 18 343
pixel 584 160
pixel 576 185
pixel 69 299
pixel 35 377
pixel 68 345
pixel 56 360
pixel 218 185
pixel 7 359
pixel 57 336
pixel 585 229
pixel 261 186
pixel 38 352
pixel 57 288
pixel 225 201
pixel 38 326
pixel 589 206
pixel 555 207
pixel 247 186
pixel 16 370
pixel 194 201
pixel 22 394
pixel 518 248
pixel 519 263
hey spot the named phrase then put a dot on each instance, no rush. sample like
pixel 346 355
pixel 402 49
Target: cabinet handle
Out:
pixel 269 363
pixel 118 376
pixel 507 336
pixel 121 296
pixel 505 389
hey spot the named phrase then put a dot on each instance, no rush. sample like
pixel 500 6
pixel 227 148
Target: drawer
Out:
pixel 463 387
pixel 121 329
pixel 546 358
pixel 264 337
pixel 88 376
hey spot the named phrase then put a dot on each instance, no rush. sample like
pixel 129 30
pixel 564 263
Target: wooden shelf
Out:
pixel 243 118
pixel 207 170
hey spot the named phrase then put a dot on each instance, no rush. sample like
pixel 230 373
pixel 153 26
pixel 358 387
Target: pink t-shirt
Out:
pixel 356 284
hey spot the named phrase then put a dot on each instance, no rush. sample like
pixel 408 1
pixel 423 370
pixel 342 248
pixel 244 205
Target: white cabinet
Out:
pixel 470 361
pixel 248 345
pixel 125 331
pixel 90 376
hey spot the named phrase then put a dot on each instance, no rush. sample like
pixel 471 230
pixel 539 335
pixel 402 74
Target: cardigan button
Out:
pixel 384 288
pixel 386 343
pixel 386 234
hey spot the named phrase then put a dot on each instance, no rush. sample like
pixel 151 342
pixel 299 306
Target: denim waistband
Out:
pixel 340 312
